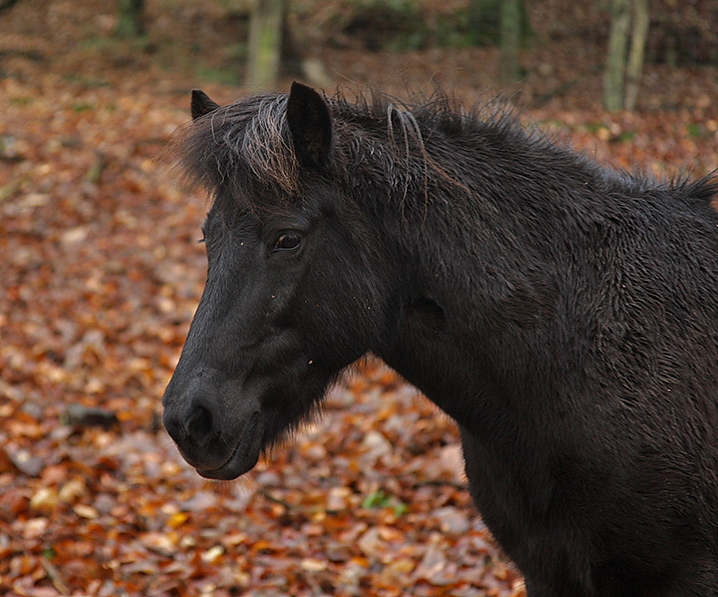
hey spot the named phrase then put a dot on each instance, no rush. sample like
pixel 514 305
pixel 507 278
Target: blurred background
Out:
pixel 100 273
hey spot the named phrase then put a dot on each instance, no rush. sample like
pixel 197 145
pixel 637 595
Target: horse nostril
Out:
pixel 199 423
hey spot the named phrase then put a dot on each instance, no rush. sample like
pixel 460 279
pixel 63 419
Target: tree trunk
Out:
pixel 265 43
pixel 131 23
pixel 634 67
pixel 510 41
pixel 484 22
pixel 613 92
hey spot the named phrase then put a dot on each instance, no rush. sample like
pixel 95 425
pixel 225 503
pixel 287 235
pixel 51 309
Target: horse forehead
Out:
pixel 268 208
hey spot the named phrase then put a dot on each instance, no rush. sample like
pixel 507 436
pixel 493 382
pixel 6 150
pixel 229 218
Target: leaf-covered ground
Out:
pixel 100 274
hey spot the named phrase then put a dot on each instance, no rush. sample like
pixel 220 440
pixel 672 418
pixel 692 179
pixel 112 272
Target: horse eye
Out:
pixel 288 241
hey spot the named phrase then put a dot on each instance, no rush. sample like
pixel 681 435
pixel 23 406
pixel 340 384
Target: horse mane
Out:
pixel 403 149
pixel 250 137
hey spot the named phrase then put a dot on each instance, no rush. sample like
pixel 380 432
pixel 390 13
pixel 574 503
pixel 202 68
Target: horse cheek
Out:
pixel 330 320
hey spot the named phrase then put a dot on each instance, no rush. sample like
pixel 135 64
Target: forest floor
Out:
pixel 100 275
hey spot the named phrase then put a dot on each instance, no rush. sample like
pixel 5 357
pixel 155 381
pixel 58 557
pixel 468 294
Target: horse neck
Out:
pixel 483 267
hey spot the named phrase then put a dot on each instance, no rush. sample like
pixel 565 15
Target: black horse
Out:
pixel 564 314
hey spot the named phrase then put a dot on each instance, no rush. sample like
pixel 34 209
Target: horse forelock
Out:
pixel 248 139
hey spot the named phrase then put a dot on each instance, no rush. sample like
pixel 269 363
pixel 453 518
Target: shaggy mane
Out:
pixel 250 137
pixel 247 146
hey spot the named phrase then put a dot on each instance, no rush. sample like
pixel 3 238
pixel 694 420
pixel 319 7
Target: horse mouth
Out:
pixel 245 455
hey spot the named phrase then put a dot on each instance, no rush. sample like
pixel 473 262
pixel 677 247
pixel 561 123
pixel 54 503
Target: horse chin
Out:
pixel 245 455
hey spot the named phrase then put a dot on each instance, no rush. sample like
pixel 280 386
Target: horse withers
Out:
pixel 564 314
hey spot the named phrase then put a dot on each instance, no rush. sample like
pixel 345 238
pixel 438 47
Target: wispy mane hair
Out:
pixel 384 148
pixel 250 139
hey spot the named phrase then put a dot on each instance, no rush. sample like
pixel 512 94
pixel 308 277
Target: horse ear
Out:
pixel 310 125
pixel 202 104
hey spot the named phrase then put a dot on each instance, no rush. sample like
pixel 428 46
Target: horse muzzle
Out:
pixel 220 440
